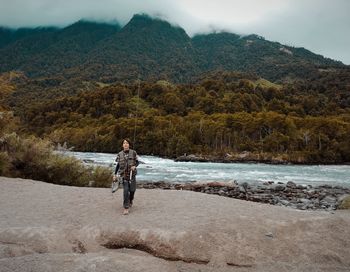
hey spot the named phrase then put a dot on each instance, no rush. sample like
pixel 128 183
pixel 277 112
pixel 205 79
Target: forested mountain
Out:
pixel 253 53
pixel 50 51
pixel 92 84
pixel 149 49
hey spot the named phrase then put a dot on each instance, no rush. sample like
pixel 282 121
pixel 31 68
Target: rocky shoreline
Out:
pixel 323 197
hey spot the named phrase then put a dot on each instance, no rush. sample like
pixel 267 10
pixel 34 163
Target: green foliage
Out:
pixel 28 155
pixel 65 171
pixel 34 158
pixel 101 177
pixel 4 164
pixel 8 122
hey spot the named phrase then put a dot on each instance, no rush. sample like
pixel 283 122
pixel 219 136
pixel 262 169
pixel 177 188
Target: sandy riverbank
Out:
pixel 46 227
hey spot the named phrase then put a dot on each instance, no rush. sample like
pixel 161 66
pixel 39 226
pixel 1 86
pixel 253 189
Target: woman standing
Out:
pixel 127 161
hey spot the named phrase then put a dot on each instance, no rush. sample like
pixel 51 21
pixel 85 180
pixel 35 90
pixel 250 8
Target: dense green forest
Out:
pixel 223 113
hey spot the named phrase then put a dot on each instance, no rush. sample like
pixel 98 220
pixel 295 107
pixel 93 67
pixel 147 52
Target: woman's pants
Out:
pixel 129 192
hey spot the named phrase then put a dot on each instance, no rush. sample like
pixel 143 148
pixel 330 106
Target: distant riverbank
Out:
pixel 249 157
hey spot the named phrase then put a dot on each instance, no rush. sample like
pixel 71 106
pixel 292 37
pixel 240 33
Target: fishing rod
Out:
pixel 137 108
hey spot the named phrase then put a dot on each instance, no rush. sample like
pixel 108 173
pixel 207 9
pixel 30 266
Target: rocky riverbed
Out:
pixel 301 197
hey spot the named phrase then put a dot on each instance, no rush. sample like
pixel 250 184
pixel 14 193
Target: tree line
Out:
pixel 221 114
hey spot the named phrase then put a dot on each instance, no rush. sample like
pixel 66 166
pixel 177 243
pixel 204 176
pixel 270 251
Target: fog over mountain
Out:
pixel 319 25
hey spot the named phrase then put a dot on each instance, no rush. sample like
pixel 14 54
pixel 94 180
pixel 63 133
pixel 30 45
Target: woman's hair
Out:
pixel 128 140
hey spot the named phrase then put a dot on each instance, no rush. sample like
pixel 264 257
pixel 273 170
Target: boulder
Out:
pixel 279 187
pixel 291 184
pixel 344 203
pixel 190 158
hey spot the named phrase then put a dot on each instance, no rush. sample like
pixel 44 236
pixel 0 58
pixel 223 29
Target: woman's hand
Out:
pixel 114 177
pixel 133 168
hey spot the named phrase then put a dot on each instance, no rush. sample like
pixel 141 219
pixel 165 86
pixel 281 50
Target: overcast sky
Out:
pixel 322 26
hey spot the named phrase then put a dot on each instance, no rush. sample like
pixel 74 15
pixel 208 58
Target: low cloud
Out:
pixel 321 26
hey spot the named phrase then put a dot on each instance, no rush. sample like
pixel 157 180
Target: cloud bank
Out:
pixel 322 26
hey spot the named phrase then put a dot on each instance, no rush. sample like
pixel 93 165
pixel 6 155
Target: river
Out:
pixel 159 169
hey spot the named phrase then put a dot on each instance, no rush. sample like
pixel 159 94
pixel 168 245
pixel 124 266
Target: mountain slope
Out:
pixel 149 49
pixel 48 51
pixel 253 53
pixel 146 48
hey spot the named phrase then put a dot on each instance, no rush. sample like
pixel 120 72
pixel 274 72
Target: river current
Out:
pixel 159 169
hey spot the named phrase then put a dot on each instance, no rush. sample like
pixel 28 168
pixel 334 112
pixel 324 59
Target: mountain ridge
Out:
pixel 150 49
